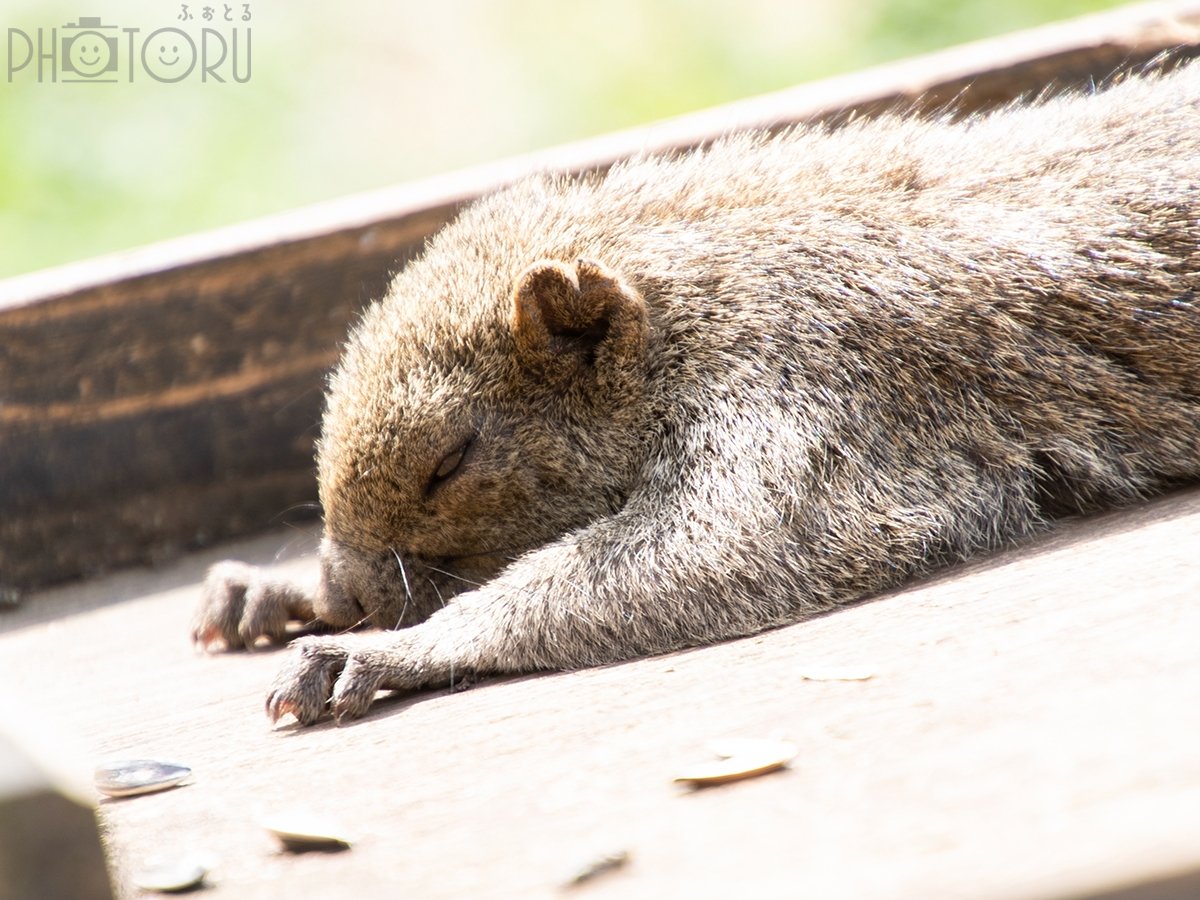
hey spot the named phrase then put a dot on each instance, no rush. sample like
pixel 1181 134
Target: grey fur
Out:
pixel 707 395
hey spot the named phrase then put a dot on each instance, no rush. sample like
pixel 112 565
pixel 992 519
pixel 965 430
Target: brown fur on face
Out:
pixel 703 395
pixel 459 480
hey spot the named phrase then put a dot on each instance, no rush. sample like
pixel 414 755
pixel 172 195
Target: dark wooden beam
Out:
pixel 168 397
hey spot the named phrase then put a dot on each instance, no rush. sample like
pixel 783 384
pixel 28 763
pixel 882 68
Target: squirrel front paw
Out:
pixel 341 675
pixel 239 605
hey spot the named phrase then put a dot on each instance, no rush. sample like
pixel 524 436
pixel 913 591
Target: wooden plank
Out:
pixel 1030 731
pixel 175 390
pixel 179 405
pixel 49 841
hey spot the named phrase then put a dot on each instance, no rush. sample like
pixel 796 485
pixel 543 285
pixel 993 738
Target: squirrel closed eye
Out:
pixel 449 466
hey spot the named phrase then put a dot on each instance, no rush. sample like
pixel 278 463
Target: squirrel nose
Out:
pixel 335 603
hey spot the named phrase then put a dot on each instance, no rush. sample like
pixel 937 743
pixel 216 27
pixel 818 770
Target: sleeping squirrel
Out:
pixel 706 394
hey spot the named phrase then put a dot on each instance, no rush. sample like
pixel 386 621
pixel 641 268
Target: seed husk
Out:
pixel 172 877
pixel 739 758
pixel 607 863
pixel 130 777
pixel 843 673
pixel 301 831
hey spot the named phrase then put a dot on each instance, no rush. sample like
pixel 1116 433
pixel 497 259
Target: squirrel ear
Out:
pixel 570 319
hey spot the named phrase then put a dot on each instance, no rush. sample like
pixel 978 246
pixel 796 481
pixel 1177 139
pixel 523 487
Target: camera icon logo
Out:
pixel 90 51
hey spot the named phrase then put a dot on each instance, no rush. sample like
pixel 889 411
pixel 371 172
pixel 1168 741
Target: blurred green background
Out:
pixel 348 97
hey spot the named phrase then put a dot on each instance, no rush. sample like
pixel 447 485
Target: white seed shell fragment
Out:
pixel 128 777
pixel 300 831
pixel 844 673
pixel 740 758
pixel 609 862
pixel 172 877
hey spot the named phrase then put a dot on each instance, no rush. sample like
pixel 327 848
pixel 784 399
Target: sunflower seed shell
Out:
pixel 302 831
pixel 740 758
pixel 172 877
pixel 130 777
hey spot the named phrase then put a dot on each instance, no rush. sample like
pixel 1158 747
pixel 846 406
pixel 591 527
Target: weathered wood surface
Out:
pixel 168 397
pixel 49 841
pixel 1032 730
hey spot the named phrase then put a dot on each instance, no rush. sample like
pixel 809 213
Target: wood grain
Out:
pixel 168 397
pixel 1030 731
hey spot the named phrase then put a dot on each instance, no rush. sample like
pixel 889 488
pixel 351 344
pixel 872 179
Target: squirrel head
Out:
pixel 470 423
